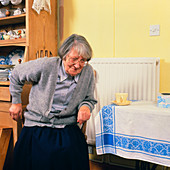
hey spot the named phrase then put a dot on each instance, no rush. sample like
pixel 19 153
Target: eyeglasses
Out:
pixel 76 60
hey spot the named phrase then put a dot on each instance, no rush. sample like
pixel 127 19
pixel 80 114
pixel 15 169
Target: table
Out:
pixel 138 131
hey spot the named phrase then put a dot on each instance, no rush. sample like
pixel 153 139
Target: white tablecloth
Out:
pixel 137 131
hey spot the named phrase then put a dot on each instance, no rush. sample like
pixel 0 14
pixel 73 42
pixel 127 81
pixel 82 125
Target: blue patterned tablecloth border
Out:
pixel 129 144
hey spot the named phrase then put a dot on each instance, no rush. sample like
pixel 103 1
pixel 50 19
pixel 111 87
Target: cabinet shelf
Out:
pixel 12 19
pixel 13 42
pixel 4 82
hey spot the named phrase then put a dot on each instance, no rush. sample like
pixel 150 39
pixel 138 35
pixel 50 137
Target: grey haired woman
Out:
pixel 61 97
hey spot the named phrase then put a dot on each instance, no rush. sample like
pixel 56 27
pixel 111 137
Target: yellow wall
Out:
pixel 94 20
pixel 120 28
pixel 132 23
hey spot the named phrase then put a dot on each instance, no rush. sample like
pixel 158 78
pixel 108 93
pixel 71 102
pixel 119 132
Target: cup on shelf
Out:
pixel 6 37
pixel 24 10
pixel 121 97
pixel 17 11
pixel 7 13
pixel 2 13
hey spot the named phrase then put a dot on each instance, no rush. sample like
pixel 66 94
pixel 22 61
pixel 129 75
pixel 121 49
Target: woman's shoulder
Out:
pixel 87 71
pixel 49 59
pixel 89 68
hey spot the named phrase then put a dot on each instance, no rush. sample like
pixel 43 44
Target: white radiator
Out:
pixel 139 77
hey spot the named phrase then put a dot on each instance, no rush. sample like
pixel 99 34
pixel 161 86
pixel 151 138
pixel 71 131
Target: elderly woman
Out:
pixel 61 97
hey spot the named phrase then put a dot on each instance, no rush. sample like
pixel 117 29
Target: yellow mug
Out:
pixel 121 97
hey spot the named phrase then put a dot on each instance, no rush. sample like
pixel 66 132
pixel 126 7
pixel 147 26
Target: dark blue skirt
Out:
pixel 44 148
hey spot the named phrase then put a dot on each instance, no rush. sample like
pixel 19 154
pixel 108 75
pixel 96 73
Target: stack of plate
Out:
pixel 4 72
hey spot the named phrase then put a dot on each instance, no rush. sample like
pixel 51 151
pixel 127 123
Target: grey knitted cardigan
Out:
pixel 43 74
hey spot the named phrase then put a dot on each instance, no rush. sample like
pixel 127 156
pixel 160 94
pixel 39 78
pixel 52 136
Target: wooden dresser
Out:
pixel 5 102
pixel 40 41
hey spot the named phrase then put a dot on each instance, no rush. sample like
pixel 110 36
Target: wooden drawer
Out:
pixel 5 94
pixel 4 106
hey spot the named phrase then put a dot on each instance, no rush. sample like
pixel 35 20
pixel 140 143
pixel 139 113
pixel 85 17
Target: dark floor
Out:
pixel 103 166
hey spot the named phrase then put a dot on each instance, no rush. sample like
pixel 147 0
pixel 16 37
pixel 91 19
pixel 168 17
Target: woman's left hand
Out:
pixel 83 114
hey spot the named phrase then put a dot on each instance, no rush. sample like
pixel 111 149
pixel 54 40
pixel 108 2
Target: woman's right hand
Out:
pixel 15 111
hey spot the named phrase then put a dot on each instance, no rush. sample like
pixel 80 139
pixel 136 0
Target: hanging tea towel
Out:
pixel 39 5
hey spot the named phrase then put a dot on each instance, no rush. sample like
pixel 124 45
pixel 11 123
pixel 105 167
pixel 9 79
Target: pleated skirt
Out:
pixel 45 148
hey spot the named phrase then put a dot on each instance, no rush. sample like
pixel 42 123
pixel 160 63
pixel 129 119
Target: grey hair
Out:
pixel 79 43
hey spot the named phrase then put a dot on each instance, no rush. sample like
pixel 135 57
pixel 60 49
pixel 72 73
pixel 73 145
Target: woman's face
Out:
pixel 73 63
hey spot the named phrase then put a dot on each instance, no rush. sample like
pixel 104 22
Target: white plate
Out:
pixel 15 55
pixel 122 104
pixel 2 72
pixel 4 76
